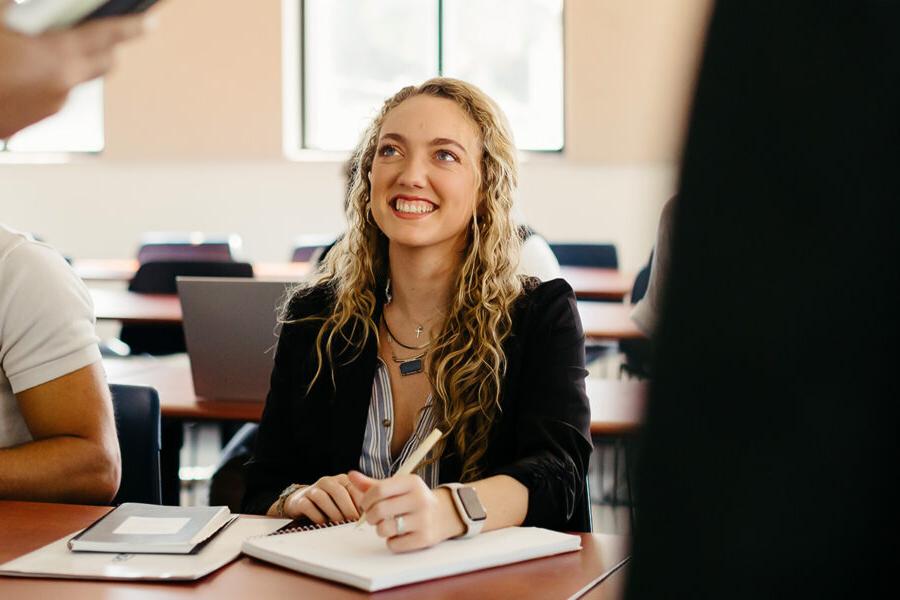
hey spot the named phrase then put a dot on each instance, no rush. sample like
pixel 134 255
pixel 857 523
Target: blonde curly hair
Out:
pixel 467 360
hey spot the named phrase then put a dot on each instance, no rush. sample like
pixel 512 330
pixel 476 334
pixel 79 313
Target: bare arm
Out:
pixel 37 72
pixel 74 456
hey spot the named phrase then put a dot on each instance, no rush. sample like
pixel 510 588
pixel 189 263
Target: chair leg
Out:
pixel 615 489
pixel 170 460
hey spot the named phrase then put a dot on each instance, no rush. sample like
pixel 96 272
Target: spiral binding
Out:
pixel 295 527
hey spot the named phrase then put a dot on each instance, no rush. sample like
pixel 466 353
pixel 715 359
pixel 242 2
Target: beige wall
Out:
pixel 194 136
pixel 205 85
pixel 630 73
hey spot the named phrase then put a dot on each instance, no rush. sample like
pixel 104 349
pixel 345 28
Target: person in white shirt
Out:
pixel 536 258
pixel 57 431
pixel 646 311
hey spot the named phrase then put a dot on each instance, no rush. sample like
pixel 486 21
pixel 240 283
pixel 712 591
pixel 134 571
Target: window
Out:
pixel 78 127
pixel 352 54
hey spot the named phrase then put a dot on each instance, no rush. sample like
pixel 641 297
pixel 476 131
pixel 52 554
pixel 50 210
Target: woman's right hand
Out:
pixel 330 499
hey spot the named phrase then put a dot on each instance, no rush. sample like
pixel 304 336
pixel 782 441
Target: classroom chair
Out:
pixel 138 426
pixel 311 248
pixel 188 247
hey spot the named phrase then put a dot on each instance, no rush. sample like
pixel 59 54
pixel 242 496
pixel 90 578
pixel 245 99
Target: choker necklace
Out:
pixel 394 339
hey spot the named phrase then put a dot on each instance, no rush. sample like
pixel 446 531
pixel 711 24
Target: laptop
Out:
pixel 230 328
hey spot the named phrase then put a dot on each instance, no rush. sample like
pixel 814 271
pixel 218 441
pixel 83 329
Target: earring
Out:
pixel 387 292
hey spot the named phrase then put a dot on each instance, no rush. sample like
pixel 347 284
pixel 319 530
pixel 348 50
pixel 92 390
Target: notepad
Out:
pixel 360 558
pixel 57 561
pixel 152 529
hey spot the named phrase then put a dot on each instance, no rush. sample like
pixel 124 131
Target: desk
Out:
pixel 26 526
pixel 617 407
pixel 589 283
pixel 607 321
pixel 592 283
pixel 171 376
pixel 112 269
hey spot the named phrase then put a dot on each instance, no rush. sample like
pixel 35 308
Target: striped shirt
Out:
pixel 376 460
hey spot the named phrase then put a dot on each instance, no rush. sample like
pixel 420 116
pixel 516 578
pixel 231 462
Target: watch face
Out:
pixel 472 504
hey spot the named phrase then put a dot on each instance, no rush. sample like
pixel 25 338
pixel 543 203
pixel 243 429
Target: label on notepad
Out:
pixel 151 526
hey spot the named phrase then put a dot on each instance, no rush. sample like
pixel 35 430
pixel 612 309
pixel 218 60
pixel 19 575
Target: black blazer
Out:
pixel 541 437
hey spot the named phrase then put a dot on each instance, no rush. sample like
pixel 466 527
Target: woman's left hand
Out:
pixel 406 512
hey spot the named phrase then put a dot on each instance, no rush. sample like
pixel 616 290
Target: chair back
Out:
pixel 138 425
pixel 311 248
pixel 642 281
pixel 586 255
pixel 158 247
pixel 159 278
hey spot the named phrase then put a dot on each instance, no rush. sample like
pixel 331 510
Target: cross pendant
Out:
pixel 418 332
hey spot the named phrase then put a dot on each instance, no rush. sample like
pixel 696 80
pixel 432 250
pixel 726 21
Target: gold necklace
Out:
pixel 394 339
pixel 408 366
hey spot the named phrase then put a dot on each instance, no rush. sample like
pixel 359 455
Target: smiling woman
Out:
pixel 418 320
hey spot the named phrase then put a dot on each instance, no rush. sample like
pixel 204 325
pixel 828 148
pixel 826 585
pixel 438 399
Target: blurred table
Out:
pixel 601 320
pixel 589 283
pixel 115 269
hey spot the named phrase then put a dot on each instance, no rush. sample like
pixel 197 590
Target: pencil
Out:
pixel 412 461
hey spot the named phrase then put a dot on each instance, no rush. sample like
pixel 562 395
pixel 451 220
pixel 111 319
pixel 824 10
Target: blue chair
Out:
pixel 138 425
pixel 586 255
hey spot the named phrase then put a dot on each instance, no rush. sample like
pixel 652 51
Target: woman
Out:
pixel 417 321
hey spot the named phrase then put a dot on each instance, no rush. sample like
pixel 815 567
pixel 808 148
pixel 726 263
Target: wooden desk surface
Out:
pixel 589 283
pixel 115 269
pixel 171 376
pixel 26 526
pixel 601 320
pixel 617 407
pixel 592 283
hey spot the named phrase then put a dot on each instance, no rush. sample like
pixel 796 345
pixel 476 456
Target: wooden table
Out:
pixel 26 526
pixel 131 307
pixel 113 269
pixel 589 283
pixel 601 320
pixel 171 377
pixel 617 407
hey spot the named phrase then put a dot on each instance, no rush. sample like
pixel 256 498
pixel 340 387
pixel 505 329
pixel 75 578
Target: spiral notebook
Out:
pixel 360 558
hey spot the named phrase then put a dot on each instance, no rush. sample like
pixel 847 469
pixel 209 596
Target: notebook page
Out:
pixel 360 558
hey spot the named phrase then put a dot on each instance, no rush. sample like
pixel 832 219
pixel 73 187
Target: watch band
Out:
pixel 473 526
pixel 284 495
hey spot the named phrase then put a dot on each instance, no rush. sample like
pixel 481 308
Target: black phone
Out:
pixel 120 7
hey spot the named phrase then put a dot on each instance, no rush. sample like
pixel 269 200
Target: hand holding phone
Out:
pixel 34 17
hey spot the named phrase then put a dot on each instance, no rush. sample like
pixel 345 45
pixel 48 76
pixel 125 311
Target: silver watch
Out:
pixel 468 506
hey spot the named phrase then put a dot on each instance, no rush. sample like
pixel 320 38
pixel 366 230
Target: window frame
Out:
pixel 293 91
